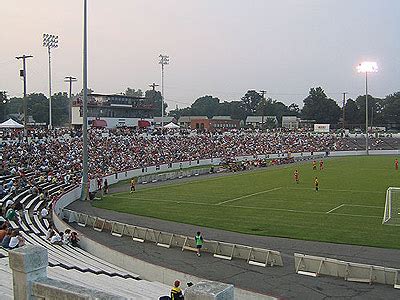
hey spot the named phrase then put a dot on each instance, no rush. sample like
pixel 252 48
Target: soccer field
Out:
pixel 348 208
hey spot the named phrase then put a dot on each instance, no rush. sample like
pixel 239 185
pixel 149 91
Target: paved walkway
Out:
pixel 281 282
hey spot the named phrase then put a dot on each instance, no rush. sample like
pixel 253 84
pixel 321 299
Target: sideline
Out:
pixel 334 190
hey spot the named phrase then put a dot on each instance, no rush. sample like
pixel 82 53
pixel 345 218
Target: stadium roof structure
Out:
pixel 10 123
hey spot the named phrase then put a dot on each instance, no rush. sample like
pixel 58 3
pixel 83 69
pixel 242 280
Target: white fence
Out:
pixel 315 266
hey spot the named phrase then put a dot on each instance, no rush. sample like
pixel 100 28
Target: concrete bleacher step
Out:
pixel 122 271
pixel 63 256
pixel 118 286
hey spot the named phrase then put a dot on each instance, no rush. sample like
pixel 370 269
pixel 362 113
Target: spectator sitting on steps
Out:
pixel 176 292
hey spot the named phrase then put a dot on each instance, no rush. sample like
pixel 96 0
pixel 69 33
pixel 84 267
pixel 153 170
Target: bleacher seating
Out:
pixel 67 263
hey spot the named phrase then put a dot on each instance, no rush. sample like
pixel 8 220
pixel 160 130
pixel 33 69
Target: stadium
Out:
pixel 258 223
pixel 263 165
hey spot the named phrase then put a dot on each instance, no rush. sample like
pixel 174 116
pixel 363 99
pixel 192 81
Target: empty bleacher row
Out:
pixel 67 263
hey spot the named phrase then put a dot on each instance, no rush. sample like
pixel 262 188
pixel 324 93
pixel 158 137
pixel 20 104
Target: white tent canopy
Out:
pixel 10 123
pixel 171 126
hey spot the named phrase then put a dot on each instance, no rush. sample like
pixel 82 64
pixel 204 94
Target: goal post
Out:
pixel 392 207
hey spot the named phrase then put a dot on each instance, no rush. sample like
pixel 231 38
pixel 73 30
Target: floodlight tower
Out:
pixel 164 60
pixel 367 67
pixel 50 41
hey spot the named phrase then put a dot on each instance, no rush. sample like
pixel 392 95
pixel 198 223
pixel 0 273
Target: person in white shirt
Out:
pixel 67 236
pixel 16 240
pixel 56 239
pixel 44 213
pixel 9 203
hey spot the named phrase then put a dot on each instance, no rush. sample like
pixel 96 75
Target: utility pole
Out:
pixel 343 109
pixel 153 86
pixel 263 112
pixel 22 73
pixel 70 79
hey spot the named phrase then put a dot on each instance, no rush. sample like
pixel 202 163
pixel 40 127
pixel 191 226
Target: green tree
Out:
pixel 374 109
pixel 60 107
pixel 206 106
pixel 294 109
pixel 352 114
pixel 133 93
pixel 250 102
pixel 318 107
pixel 391 110
pixel 154 98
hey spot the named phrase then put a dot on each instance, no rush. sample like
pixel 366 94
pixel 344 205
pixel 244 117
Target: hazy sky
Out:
pixel 217 47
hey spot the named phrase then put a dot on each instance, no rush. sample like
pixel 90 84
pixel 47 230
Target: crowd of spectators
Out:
pixel 56 155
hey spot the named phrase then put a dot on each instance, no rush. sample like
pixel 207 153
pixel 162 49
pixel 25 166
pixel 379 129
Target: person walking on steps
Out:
pixel 199 242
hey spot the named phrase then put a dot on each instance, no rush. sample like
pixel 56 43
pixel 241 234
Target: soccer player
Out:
pixel 314 165
pixel 316 183
pixel 396 164
pixel 321 164
pixel 199 242
pixel 296 176
pixel 133 185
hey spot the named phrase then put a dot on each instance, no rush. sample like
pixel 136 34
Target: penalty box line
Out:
pixel 357 205
pixel 247 196
pixel 333 209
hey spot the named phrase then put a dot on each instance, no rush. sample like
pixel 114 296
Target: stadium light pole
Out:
pixel 164 60
pixel 367 67
pixel 50 41
pixel 85 158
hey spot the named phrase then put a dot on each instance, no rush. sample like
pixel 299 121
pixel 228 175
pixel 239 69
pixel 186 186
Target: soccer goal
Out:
pixel 392 207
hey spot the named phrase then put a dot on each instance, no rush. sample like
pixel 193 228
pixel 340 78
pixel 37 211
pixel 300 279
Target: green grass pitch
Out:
pixel 348 208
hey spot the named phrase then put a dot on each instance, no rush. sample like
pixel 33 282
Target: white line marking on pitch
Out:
pixel 333 209
pixel 250 195
pixel 251 207
pixel 334 190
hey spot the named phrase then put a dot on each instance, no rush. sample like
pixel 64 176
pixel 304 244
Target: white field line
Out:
pixel 251 207
pixel 334 190
pixel 333 209
pixel 360 205
pixel 247 196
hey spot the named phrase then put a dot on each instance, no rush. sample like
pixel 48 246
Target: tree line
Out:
pixel 316 106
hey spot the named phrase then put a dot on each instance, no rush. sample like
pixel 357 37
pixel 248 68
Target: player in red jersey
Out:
pixel 321 164
pixel 396 164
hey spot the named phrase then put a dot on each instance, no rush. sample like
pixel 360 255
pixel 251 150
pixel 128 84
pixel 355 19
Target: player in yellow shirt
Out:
pixel 316 184
pixel 133 185
pixel 296 176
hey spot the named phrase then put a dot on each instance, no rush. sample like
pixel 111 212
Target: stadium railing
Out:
pixel 253 255
pixel 314 266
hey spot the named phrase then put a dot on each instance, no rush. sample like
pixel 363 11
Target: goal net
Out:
pixel 392 207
